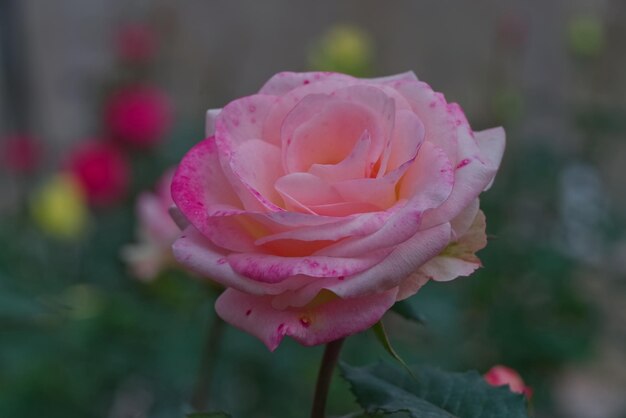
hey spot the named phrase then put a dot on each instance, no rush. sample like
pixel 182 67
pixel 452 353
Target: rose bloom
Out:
pixel 101 170
pixel 156 233
pixel 138 116
pixel 502 375
pixel 323 199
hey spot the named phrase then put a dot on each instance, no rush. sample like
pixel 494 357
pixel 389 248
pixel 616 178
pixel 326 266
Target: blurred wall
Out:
pixel 213 51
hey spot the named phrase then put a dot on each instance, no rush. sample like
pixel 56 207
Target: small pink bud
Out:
pixel 502 375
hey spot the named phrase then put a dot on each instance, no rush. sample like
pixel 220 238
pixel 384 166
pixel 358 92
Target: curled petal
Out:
pixel 300 191
pixel 473 173
pixel 408 135
pixel 257 165
pixel 491 143
pixel 354 166
pixel 209 127
pixel 273 269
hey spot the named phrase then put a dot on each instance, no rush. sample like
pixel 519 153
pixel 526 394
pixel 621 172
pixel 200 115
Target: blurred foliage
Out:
pixel 586 36
pixel 432 393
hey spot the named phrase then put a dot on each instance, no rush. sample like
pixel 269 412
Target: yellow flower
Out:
pixel 59 208
pixel 345 49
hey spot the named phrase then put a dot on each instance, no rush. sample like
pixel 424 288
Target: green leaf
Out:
pixel 208 415
pixel 383 388
pixel 381 334
pixel 405 309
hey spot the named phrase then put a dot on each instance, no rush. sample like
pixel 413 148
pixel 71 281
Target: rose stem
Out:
pixel 331 355
pixel 200 396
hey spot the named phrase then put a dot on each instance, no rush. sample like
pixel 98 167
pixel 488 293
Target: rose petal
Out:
pixel 379 192
pixel 352 226
pixel 432 110
pixel 209 127
pixel 282 83
pixel 302 190
pixel 257 164
pixel 198 185
pixel 463 222
pixel 317 324
pixel 199 255
pixel 473 173
pixel 411 285
pixel 352 167
pixel 491 143
pixel 393 79
pixel 344 208
pixel 408 135
pixel 427 184
pixel 269 268
pixel 457 259
pixel 242 120
pixel 403 261
pixel 429 179
pixel 338 123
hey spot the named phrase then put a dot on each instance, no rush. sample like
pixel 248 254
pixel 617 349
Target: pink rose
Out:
pixel 502 375
pixel 101 170
pixel 138 116
pixel 156 232
pixel 322 200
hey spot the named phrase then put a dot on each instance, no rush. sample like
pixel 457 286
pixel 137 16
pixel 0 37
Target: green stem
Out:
pixel 331 355
pixel 200 396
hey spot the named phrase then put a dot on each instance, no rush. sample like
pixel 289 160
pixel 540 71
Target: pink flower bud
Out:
pixel 502 375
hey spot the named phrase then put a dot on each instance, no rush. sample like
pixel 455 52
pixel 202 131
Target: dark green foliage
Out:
pixel 382 388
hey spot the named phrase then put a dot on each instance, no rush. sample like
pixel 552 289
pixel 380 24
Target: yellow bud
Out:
pixel 345 49
pixel 59 208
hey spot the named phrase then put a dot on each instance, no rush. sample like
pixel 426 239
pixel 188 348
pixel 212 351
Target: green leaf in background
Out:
pixel 405 309
pixel 383 388
pixel 208 415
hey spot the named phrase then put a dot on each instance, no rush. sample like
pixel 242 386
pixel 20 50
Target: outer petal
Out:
pixel 282 83
pixel 274 269
pixel 199 255
pixel 209 127
pixel 403 261
pixel 432 109
pixel 309 325
pixel 200 188
pixel 393 79
pixel 491 143
pixel 473 173
pixel 458 259
pixel 242 120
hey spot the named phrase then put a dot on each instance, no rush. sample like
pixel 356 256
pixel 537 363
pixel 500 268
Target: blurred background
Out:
pixel 99 98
